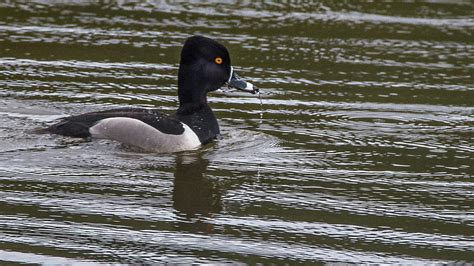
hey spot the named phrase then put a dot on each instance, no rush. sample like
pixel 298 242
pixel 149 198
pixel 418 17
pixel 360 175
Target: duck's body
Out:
pixel 204 67
pixel 148 129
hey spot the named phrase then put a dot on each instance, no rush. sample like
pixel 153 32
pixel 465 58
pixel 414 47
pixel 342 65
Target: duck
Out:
pixel 205 66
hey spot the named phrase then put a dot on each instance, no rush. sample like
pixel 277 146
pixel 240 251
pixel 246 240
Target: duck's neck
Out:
pixel 190 96
pixel 189 108
pixel 191 99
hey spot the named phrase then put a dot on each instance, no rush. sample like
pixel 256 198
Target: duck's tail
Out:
pixel 40 130
pixel 65 128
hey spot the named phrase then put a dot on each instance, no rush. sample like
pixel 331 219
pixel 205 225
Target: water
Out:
pixel 362 149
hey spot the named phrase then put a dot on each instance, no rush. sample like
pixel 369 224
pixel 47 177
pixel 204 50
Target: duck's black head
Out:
pixel 205 66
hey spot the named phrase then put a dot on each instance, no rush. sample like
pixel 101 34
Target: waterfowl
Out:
pixel 205 66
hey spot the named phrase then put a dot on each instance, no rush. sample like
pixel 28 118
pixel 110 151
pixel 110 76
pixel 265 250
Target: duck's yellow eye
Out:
pixel 218 60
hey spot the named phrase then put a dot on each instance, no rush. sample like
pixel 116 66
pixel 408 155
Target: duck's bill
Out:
pixel 236 82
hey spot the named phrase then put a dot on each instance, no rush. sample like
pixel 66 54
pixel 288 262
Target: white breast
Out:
pixel 136 133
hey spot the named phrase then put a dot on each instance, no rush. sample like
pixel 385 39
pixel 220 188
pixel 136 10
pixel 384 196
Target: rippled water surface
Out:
pixel 362 149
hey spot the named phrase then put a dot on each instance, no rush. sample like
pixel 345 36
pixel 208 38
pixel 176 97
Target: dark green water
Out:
pixel 364 153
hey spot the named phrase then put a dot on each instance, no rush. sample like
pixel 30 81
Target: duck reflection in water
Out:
pixel 194 193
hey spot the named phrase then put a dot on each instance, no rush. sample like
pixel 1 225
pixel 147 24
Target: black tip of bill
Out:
pixel 237 83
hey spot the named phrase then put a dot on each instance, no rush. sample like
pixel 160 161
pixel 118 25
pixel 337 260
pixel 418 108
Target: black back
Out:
pixel 78 126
